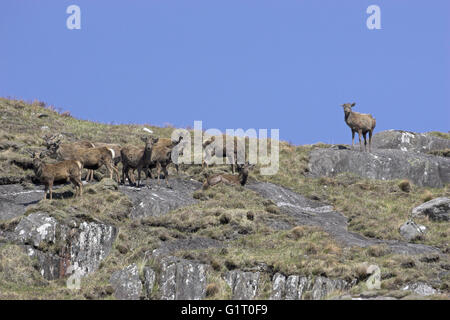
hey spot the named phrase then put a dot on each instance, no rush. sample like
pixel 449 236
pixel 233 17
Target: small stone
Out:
pixel 421 289
pixel 411 231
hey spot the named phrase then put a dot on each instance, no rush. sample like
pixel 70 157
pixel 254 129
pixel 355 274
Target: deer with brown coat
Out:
pixel 90 156
pixel 137 158
pixel 230 179
pixel 361 123
pixel 63 171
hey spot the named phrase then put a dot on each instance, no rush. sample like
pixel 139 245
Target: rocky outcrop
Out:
pixel 421 289
pixel 408 141
pixel 149 281
pixel 75 247
pixel 316 213
pixel 126 283
pixel 421 169
pixel 180 279
pixel 437 209
pixel 296 287
pixel 14 200
pixel 156 201
pixel 244 285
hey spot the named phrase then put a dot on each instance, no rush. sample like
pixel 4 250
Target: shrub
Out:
pixel 212 289
pixel 427 196
pixel 405 185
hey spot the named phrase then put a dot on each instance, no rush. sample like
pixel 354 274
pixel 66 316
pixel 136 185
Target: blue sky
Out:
pixel 233 64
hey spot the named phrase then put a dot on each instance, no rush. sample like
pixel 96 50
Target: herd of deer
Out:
pixel 156 153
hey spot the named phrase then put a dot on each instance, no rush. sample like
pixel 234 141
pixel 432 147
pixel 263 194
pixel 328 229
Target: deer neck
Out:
pixel 37 167
pixel 147 153
pixel 347 115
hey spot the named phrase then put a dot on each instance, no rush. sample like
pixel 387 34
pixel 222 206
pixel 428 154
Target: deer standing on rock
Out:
pixel 137 158
pixel 361 123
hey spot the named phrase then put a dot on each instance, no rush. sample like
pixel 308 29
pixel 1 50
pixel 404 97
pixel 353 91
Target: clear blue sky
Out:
pixel 233 64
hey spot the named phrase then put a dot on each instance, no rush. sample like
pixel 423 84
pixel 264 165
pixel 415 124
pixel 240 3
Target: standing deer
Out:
pixel 88 154
pixel 361 123
pixel 63 171
pixel 137 158
pixel 162 157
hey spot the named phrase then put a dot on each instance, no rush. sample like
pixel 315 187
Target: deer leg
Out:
pixel 123 175
pixel 365 141
pixel 158 172
pixel 370 141
pixel 147 182
pixel 50 186
pixel 149 173
pixel 127 172
pixel 139 177
pixel 75 185
pixel 80 186
pixel 116 172
pixel 359 136
pixel 45 191
pixel 166 176
pixel 353 139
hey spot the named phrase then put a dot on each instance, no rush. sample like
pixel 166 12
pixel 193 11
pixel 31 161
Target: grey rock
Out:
pixel 408 141
pixel 411 231
pixel 278 287
pixel 421 169
pixel 149 280
pixel 437 209
pixel 91 244
pixel 84 244
pixel 323 287
pixel 244 285
pixel 126 283
pixel 108 184
pixel 14 200
pixel 311 212
pixel 295 287
pixel 156 201
pixel 421 289
pixel 36 228
pixel 49 264
pixel 182 279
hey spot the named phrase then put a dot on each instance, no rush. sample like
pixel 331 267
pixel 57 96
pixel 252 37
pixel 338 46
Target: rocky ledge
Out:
pixel 421 169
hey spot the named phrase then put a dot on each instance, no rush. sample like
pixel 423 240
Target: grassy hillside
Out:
pixel 233 214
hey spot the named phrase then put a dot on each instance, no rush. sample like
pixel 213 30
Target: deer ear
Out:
pixel 155 140
pixel 353 104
